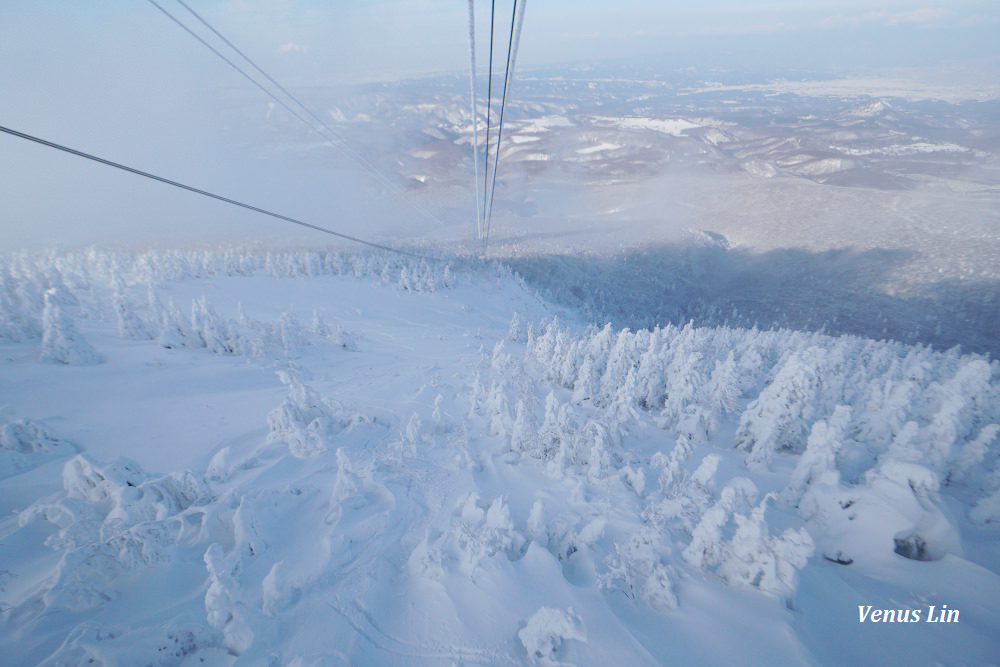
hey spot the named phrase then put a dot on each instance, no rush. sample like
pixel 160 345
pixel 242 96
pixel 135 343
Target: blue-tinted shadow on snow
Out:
pixel 836 292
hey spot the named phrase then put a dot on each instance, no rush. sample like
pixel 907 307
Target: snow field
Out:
pixel 420 464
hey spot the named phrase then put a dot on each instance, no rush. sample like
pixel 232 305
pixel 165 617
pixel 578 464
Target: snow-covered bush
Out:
pixel 307 421
pixel 544 633
pixel 112 518
pixel 25 445
pixel 224 607
pixel 639 569
pixel 754 558
pixel 478 535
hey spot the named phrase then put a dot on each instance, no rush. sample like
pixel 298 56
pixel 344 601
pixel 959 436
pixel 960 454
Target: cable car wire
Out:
pixel 211 195
pixel 336 141
pixel 475 116
pixel 503 104
pixel 489 108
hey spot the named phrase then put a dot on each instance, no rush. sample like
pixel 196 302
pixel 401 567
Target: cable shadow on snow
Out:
pixel 835 292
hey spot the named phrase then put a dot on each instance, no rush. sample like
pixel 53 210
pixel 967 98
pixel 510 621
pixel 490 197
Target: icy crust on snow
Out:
pixel 567 495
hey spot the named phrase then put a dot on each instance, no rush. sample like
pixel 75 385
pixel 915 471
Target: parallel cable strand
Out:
pixel 336 142
pixel 475 117
pixel 211 195
pixel 342 143
pixel 489 107
pixel 503 104
pixel 517 36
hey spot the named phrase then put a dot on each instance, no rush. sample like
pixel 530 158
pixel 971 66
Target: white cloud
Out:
pixel 753 29
pixel 924 15
pixel 290 47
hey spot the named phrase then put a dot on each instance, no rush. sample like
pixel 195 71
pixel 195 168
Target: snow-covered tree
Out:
pixel 617 367
pixel 208 329
pixel 514 331
pixel 754 558
pixel 524 431
pixel 723 390
pixel 973 453
pixel 61 342
pixel 684 384
pixel 961 404
pixel 305 420
pixel 778 419
pixel 587 383
pixel 639 569
pixel 818 462
pixel 499 412
pixel 130 325
pixel 708 546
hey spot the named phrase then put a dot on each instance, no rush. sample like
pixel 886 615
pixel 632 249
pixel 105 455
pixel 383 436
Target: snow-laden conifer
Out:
pixel 754 558
pixel 61 342
pixel 616 368
pixel 685 381
pixel 514 333
pixel 306 420
pixel 639 569
pixel 778 419
pixel 130 325
pixel 818 463
pixel 524 431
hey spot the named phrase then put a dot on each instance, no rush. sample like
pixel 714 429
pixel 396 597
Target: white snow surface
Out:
pixel 672 126
pixel 322 458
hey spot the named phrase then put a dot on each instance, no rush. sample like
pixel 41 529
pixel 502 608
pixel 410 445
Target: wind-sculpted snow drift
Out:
pixel 449 473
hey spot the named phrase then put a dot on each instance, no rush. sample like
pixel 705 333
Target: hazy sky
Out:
pixel 355 39
pixel 119 79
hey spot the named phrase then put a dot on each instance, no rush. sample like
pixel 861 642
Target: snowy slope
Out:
pixel 319 458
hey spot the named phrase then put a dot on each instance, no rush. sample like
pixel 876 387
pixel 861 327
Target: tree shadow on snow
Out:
pixel 837 292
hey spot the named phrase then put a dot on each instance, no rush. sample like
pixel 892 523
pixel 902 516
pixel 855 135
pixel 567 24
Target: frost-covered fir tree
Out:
pixel 129 324
pixel 16 322
pixel 61 342
pixel 973 453
pixel 962 403
pixel 684 384
pixel 708 545
pixel 638 568
pixel 524 431
pixel 305 420
pixel 754 558
pixel 498 412
pixel 208 329
pixel 514 331
pixel 651 376
pixel 617 367
pixel 778 419
pixel 723 389
pixel 173 332
pixel 671 466
pixel 818 463
pixel 405 281
pixel 586 386
pixel 291 334
pixel 570 364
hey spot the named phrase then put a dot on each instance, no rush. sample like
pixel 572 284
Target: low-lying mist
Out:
pixel 641 202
